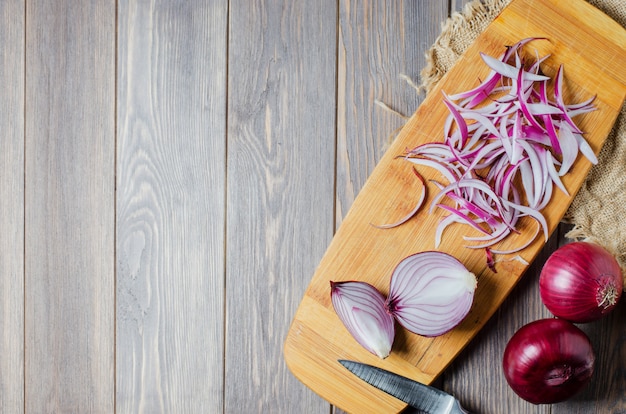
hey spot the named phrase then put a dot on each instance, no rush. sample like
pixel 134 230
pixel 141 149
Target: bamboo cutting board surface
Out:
pixel 592 49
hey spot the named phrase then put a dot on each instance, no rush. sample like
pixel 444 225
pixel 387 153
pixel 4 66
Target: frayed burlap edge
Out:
pixel 598 210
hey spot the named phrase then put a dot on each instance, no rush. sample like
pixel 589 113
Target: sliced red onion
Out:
pixel 413 211
pixel 558 96
pixel 491 264
pixel 509 71
pixel 506 145
pixel 445 168
pixel 361 308
pixel 430 293
pixel 569 147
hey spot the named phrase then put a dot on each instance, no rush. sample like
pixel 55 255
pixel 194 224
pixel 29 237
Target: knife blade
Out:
pixel 422 397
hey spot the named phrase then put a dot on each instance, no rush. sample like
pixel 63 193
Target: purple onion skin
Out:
pixel 548 361
pixel 581 282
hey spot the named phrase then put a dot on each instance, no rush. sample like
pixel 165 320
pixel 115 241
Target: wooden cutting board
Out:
pixel 592 49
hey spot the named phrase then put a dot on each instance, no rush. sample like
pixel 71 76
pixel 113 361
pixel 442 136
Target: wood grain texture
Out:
pixel 458 5
pixel 356 252
pixel 380 42
pixel 69 219
pixel 281 139
pixel 482 359
pixel 170 206
pixel 12 34
pixel 475 376
pixel 167 191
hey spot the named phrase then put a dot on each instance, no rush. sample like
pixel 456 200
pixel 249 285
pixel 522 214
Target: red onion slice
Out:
pixel 509 71
pixel 558 96
pixel 413 211
pixel 430 293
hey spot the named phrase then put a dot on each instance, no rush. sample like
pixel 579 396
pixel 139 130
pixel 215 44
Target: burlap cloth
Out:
pixel 598 212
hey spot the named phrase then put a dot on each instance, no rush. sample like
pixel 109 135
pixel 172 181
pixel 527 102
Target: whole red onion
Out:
pixel 548 361
pixel 581 282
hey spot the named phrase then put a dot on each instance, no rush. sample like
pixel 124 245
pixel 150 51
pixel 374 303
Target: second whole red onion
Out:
pixel 548 361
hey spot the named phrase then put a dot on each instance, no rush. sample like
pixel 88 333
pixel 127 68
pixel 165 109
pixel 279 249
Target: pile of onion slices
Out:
pixel 429 294
pixel 506 145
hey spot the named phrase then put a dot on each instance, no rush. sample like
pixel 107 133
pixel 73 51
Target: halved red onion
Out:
pixel 430 293
pixel 361 308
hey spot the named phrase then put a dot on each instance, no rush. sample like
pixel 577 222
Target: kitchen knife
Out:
pixel 419 396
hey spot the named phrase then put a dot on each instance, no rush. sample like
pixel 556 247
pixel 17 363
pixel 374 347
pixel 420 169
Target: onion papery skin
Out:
pixel 548 361
pixel 581 282
pixel 361 308
pixel 430 293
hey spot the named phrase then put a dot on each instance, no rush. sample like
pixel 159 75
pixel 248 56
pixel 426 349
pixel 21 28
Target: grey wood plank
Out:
pixel 606 392
pixel 483 358
pixel 476 376
pixel 69 217
pixel 171 206
pixel 281 139
pixel 458 5
pixel 380 43
pixel 12 206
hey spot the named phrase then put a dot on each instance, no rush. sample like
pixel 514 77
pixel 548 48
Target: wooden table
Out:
pixel 171 174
